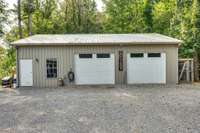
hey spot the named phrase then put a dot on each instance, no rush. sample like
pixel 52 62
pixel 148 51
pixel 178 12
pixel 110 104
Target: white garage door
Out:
pixel 26 75
pixel 147 68
pixel 94 69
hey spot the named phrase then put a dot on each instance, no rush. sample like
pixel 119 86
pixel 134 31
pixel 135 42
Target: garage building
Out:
pixel 97 59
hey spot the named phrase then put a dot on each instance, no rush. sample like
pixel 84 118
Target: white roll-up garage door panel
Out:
pixel 94 70
pixel 146 69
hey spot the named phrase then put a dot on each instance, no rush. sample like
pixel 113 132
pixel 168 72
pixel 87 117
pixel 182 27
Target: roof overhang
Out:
pixel 97 39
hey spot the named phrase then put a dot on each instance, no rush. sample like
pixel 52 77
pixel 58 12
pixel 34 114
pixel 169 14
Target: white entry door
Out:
pixel 146 68
pixel 26 74
pixel 94 69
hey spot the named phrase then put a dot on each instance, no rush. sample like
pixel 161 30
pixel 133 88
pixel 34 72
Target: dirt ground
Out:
pixel 95 109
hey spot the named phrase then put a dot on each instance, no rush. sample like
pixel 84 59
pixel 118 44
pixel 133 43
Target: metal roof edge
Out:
pixel 103 44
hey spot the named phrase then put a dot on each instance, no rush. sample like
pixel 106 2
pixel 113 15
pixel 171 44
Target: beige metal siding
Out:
pixel 65 58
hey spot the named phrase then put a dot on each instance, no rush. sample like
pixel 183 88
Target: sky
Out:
pixel 99 4
pixel 11 2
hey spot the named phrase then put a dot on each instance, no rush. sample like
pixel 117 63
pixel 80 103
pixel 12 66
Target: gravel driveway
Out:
pixel 120 109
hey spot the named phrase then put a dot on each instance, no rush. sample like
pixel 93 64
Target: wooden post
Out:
pixel 196 66
pixel 187 70
pixel 182 71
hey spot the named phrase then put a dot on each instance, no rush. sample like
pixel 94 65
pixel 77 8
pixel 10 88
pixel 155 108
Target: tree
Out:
pixel 80 16
pixel 162 13
pixel 148 17
pixel 124 16
pixel 195 23
pixel 2 52
pixel 7 63
pixel 19 18
pixel 58 17
pixel 189 15
pixel 30 11
pixel 3 15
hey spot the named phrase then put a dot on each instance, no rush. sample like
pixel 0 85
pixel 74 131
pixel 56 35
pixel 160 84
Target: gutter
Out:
pixel 94 44
pixel 17 66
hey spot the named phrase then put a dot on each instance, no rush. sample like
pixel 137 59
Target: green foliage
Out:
pixel 2 52
pixel 7 62
pixel 189 27
pixel 124 16
pixel 179 19
pixel 3 15
pixel 59 17
pixel 195 24
pixel 161 16
pixel 148 15
pixel 79 16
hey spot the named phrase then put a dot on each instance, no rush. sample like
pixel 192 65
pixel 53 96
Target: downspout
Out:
pixel 17 66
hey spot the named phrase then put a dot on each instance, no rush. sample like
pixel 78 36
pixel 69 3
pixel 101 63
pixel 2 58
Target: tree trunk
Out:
pixel 66 16
pixel 19 19
pixel 30 18
pixel 196 66
pixel 74 15
pixel 79 4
